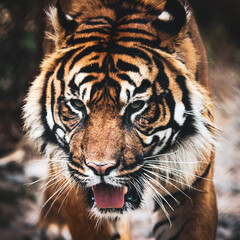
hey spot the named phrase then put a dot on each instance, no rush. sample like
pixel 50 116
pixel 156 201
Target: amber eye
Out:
pixel 137 105
pixel 77 104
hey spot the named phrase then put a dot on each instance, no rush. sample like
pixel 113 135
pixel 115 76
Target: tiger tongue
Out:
pixel 107 196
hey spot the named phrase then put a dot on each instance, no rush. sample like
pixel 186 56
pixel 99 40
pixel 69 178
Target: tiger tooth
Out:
pixel 125 190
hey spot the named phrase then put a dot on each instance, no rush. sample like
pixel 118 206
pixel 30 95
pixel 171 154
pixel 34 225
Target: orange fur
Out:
pixel 104 138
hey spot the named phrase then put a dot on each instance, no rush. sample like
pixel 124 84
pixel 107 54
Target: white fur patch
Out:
pixel 179 113
pixel 50 120
pixel 123 95
pixel 53 17
pixel 165 16
pixel 60 133
pixel 68 17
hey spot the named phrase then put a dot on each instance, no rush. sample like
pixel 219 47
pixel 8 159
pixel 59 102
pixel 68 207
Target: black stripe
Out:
pixel 161 223
pixel 81 40
pixel 74 171
pixel 84 93
pixel 133 52
pixel 117 88
pixel 73 87
pixel 66 119
pixel 85 52
pixel 197 74
pixel 109 20
pixel 95 30
pixel 65 59
pixel 94 23
pixel 60 105
pixel 176 237
pixel 94 58
pixel 161 76
pixel 87 79
pixel 52 97
pixel 130 166
pixel 204 174
pixel 164 49
pixel 152 43
pixel 128 95
pixel 181 81
pixel 188 128
pixel 96 88
pixel 70 159
pixel 136 20
pixel 125 77
pixel 133 30
pixel 44 114
pixel 125 66
pixel 143 87
pixel 94 67
pixel 48 135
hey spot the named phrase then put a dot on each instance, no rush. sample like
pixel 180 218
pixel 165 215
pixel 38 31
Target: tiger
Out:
pixel 123 111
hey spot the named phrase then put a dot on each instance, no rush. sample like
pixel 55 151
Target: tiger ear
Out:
pixel 172 20
pixel 62 24
pixel 65 21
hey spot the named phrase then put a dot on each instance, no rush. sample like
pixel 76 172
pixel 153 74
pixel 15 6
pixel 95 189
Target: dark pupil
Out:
pixel 137 105
pixel 78 104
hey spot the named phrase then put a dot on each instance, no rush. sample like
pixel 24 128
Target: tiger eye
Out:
pixel 137 105
pixel 77 104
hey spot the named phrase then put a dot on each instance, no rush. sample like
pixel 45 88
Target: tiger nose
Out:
pixel 101 168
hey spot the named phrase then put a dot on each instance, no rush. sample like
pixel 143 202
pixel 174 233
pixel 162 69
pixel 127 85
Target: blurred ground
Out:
pixel 19 204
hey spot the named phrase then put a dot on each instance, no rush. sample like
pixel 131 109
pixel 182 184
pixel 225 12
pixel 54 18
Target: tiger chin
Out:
pixel 122 110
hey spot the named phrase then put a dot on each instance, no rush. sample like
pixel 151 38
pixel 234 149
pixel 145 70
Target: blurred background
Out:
pixel 20 55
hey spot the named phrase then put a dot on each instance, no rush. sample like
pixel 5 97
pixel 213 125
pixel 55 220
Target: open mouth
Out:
pixel 111 198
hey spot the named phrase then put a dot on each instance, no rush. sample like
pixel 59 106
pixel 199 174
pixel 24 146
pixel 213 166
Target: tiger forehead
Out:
pixel 127 82
pixel 116 56
pixel 106 29
pixel 123 73
pixel 114 9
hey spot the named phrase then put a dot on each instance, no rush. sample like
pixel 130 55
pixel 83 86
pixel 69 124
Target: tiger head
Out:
pixel 117 107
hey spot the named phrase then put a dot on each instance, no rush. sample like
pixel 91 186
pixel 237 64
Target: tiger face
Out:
pixel 117 108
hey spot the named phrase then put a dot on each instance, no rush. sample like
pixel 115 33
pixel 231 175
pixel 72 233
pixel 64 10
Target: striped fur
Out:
pixel 125 82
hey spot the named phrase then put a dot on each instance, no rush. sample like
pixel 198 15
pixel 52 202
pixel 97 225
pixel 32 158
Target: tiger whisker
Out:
pixel 62 189
pixel 98 224
pixel 47 185
pixel 176 170
pixel 47 160
pixel 157 192
pixel 162 177
pixel 70 189
pixel 163 188
pixel 39 180
pixel 54 194
pixel 182 183
pixel 160 155
pixel 136 184
pixel 154 161
pixel 159 201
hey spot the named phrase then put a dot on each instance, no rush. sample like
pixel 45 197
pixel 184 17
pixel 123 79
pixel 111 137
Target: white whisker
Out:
pixel 67 194
pixel 161 155
pixel 158 198
pixel 163 188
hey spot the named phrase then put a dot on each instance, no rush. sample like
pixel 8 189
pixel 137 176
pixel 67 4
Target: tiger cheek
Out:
pixel 76 147
pixel 133 143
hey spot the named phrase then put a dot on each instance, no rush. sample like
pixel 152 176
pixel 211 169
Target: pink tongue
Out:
pixel 107 196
